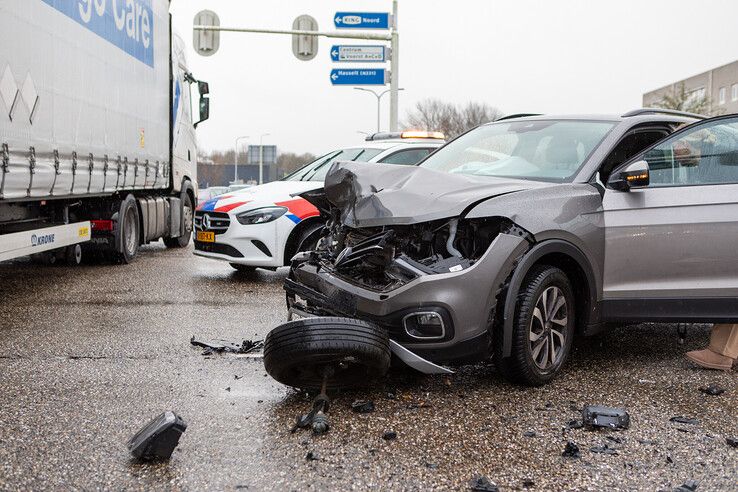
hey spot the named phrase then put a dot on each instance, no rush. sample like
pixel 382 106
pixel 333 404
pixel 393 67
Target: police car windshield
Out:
pixel 316 170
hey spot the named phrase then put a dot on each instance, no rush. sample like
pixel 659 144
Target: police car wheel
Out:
pixel 298 353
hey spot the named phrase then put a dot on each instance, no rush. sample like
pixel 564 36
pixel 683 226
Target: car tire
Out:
pixel 544 318
pixel 242 268
pixel 354 352
pixel 128 231
pixel 188 212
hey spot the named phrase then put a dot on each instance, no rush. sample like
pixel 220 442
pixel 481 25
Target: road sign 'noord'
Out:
pixel 359 76
pixel 362 20
pixel 358 53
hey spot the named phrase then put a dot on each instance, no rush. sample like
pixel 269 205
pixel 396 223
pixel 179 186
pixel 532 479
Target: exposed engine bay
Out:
pixel 384 258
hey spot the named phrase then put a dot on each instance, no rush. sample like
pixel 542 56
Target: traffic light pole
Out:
pixel 393 37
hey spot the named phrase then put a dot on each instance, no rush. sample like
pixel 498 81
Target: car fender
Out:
pixel 531 257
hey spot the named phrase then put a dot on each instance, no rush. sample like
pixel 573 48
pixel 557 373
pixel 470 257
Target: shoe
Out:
pixel 710 360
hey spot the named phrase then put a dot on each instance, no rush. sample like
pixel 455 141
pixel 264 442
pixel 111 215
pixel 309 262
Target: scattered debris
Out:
pixel 237 377
pixel 310 456
pixel 528 483
pixel 604 449
pixel 669 459
pixel 574 424
pixel 688 486
pixel 228 389
pixel 571 450
pixel 389 435
pixel 220 346
pixel 529 434
pixel 646 381
pixel 431 466
pixel 647 441
pixel 684 420
pixel 732 441
pixel 614 439
pixel 157 439
pixel 363 406
pixel 712 390
pixel 599 416
pixel 316 418
pixel 483 484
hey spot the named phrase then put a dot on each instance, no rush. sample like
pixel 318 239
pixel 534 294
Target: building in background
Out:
pixel 719 86
pixel 211 174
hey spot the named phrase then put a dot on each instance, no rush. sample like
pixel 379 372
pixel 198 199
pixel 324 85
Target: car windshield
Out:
pixel 316 170
pixel 539 150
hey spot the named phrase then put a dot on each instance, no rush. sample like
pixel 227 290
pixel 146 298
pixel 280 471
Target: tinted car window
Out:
pixel 406 157
pixel 707 154
pixel 360 155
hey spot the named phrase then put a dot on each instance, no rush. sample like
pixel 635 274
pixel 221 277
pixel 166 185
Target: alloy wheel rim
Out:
pixel 129 228
pixel 547 331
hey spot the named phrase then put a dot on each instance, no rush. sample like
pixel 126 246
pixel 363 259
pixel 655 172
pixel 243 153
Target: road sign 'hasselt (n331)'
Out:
pixel 359 76
pixel 358 53
pixel 361 20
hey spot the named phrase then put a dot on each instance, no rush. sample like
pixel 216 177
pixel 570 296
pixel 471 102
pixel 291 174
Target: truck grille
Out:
pixel 217 222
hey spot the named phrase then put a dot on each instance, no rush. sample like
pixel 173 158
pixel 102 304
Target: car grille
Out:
pixel 218 248
pixel 218 221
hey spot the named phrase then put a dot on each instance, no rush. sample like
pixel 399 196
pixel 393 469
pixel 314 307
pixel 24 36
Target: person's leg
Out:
pixel 724 340
pixel 722 351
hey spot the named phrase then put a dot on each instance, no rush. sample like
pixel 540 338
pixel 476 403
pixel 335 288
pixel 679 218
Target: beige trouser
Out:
pixel 724 340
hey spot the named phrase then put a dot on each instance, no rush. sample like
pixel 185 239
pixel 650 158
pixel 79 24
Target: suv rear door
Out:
pixel 671 248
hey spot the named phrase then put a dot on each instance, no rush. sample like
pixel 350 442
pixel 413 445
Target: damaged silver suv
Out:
pixel 517 236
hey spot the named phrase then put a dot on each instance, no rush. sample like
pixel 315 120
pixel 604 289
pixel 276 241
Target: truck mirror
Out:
pixel 203 87
pixel 204 110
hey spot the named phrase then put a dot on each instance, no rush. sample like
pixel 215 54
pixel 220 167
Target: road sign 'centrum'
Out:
pixel 358 53
pixel 359 76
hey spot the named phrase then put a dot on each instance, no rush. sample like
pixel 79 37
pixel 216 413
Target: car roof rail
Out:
pixel 516 115
pixel 673 112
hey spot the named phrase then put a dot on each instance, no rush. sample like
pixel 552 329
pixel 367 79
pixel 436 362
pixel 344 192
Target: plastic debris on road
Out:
pixel 571 450
pixel 483 484
pixel 712 390
pixel 220 346
pixel 599 416
pixel 363 406
pixel 157 439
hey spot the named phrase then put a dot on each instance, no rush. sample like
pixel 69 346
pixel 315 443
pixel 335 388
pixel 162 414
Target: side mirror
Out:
pixel 635 175
pixel 203 87
pixel 204 110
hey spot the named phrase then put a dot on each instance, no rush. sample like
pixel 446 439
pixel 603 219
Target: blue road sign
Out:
pixel 361 20
pixel 358 53
pixel 359 76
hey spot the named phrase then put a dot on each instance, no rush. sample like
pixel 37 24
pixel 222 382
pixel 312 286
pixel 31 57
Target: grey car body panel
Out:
pixel 386 194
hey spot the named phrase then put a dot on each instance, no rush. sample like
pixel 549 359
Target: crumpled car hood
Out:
pixel 372 195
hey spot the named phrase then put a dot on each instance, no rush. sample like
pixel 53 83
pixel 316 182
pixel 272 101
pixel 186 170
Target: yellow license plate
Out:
pixel 206 237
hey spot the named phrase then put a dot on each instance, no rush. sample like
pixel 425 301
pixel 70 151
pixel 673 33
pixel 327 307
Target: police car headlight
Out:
pixel 261 215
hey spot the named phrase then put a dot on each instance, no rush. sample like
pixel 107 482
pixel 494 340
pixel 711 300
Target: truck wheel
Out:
pixel 543 328
pixel 73 254
pixel 128 231
pixel 187 223
pixel 300 352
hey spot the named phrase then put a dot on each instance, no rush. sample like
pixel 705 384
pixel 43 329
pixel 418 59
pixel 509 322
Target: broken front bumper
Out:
pixel 465 300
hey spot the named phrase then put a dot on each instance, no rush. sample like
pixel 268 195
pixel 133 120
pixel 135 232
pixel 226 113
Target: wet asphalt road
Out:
pixel 89 354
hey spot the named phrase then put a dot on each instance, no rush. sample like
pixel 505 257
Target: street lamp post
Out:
pixel 261 157
pixel 235 160
pixel 378 95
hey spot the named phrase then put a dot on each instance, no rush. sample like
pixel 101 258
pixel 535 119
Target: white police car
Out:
pixel 264 226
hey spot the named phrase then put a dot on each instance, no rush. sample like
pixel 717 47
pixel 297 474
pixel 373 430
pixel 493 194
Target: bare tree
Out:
pixel 451 119
pixel 288 162
pixel 681 99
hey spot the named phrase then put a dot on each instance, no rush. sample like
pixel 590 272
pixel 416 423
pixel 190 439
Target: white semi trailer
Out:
pixel 97 140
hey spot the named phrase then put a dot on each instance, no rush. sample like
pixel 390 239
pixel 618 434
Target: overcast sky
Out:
pixel 546 56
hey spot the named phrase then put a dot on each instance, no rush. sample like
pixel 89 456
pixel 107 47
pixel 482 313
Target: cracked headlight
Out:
pixel 261 215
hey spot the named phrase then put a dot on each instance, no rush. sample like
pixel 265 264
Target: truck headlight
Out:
pixel 261 215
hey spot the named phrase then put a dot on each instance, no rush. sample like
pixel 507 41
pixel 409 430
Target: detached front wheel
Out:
pixel 543 327
pixel 300 353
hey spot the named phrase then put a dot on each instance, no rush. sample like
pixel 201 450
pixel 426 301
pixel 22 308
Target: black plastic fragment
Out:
pixel 574 424
pixel 220 346
pixel 529 434
pixel 688 486
pixel 599 416
pixel 712 390
pixel 310 456
pixel 732 441
pixel 684 420
pixel 157 439
pixel 483 484
pixel 528 483
pixel 363 406
pixel 571 450
pixel 604 449
pixel 389 435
